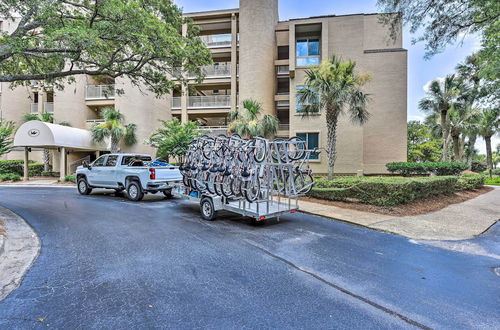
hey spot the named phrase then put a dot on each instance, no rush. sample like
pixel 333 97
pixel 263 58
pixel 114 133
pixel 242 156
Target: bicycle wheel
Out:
pixel 236 187
pixel 226 186
pixel 199 182
pixel 303 183
pixel 259 149
pixel 296 148
pixel 210 184
pixel 251 189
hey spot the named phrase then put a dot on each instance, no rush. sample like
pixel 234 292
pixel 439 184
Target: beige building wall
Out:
pixel 258 20
pixel 360 149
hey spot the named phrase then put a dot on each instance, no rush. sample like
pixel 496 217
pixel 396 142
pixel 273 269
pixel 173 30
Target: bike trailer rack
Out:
pixel 260 210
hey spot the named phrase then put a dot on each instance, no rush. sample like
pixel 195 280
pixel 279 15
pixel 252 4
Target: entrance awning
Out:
pixel 36 133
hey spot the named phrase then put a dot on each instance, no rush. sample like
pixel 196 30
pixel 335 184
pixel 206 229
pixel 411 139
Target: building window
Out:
pixel 308 51
pixel 312 141
pixel 299 107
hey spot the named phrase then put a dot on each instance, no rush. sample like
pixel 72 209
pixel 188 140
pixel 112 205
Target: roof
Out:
pixel 36 133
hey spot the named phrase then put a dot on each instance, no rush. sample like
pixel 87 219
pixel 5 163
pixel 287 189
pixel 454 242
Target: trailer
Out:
pixel 259 211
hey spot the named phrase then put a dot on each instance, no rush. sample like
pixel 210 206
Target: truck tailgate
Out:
pixel 168 173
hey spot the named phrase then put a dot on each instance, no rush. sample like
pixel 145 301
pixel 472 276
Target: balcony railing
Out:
pixel 283 103
pixel 284 127
pixel 210 71
pixel 217 40
pixel 213 101
pixel 48 107
pixel 100 92
pixel 202 102
pixel 283 70
pixel 176 102
pixel 34 108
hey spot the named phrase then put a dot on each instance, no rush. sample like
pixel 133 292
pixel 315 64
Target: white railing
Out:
pixel 213 101
pixel 284 127
pixel 93 122
pixel 211 128
pixel 176 102
pixel 97 92
pixel 217 40
pixel 34 108
pixel 49 107
pixel 210 71
pixel 283 103
pixel 283 69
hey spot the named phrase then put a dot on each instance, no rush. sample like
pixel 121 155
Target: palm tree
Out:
pixel 335 88
pixel 440 98
pixel 250 123
pixel 489 125
pixel 46 118
pixel 114 128
pixel 462 120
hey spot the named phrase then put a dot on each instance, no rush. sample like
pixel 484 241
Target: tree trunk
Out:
pixel 456 148
pixel 462 148
pixel 489 156
pixel 115 145
pixel 46 160
pixel 331 123
pixel 444 128
pixel 471 143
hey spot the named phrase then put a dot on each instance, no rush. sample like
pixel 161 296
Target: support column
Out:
pixel 184 88
pixel 42 97
pixel 62 167
pixel 234 61
pixel 25 166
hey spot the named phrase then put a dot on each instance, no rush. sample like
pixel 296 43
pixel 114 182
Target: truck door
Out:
pixel 95 173
pixel 109 171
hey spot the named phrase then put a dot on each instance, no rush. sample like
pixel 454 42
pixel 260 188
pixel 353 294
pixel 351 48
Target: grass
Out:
pixel 493 181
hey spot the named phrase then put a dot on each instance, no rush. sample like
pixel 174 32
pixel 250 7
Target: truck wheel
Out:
pixel 134 191
pixel 168 193
pixel 83 187
pixel 207 209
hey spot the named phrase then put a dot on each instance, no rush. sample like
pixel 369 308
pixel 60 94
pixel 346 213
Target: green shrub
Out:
pixel 495 171
pixel 492 181
pixel 10 177
pixel 438 168
pixel 383 191
pixel 17 166
pixel 470 181
pixel 70 178
pixel 478 166
pixel 51 174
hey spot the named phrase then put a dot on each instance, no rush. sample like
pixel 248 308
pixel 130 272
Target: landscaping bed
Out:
pixel 416 207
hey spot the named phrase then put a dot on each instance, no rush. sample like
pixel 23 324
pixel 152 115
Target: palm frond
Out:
pixel 99 133
pixel 130 137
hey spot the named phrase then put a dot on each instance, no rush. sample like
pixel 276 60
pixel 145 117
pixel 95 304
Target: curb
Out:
pixel 20 248
pixel 39 185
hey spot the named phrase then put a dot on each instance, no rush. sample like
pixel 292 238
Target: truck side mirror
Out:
pixel 86 164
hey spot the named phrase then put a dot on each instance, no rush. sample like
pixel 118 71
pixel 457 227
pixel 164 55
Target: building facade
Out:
pixel 259 57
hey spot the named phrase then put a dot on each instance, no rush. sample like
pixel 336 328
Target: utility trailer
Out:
pixel 259 210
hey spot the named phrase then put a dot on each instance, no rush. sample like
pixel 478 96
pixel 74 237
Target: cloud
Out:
pixel 416 117
pixel 428 84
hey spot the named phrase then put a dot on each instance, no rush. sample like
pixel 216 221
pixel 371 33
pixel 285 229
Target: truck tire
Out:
pixel 134 191
pixel 207 209
pixel 83 187
pixel 168 193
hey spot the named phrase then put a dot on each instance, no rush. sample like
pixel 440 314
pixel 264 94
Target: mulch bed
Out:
pixel 421 206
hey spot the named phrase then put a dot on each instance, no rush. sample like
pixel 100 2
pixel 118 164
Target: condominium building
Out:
pixel 259 57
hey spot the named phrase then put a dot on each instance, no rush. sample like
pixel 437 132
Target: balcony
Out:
pixel 283 70
pixel 283 127
pixel 217 40
pixel 100 92
pixel 210 71
pixel 203 102
pixel 91 122
pixel 212 101
pixel 34 108
pixel 213 130
pixel 283 103
pixel 176 102
pixel 48 107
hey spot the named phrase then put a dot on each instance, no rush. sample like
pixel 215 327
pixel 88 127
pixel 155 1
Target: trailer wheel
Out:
pixel 207 209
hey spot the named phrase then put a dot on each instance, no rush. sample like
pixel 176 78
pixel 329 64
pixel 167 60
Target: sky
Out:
pixel 420 71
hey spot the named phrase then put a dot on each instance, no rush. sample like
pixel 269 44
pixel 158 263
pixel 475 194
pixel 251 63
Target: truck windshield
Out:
pixel 126 160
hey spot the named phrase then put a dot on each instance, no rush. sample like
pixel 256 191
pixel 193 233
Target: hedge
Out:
pixel 383 191
pixel 10 177
pixel 70 178
pixel 495 171
pixel 470 181
pixel 414 168
pixel 17 167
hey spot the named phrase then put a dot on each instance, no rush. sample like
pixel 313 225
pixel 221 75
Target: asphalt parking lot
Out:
pixel 106 262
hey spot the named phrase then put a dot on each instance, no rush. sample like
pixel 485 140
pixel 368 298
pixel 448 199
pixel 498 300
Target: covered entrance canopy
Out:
pixel 38 134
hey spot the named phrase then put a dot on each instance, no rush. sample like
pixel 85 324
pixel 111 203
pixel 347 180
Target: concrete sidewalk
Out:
pixel 454 222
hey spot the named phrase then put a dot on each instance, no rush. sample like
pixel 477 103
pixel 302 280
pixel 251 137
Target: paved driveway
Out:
pixel 109 263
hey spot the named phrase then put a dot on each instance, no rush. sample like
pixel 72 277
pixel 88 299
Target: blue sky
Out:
pixel 420 71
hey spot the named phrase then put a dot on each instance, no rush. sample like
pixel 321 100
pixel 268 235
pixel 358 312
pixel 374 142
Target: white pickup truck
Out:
pixel 133 173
